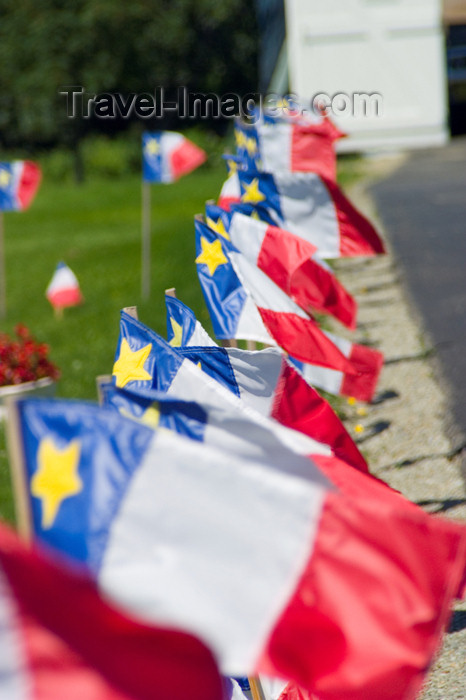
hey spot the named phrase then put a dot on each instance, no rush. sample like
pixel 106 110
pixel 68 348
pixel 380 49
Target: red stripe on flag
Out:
pixel 367 364
pixel 303 339
pixel 312 150
pixel 78 647
pixel 367 616
pixel 357 235
pixel 186 158
pixel 29 182
pixel 66 297
pixel 299 406
pixel 286 259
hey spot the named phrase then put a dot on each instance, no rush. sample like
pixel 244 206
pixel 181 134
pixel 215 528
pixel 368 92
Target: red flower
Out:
pixel 24 359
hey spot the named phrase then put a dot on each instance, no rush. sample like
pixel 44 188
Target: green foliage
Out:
pixel 114 47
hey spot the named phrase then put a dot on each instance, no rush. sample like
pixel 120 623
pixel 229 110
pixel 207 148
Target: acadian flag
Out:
pixel 59 639
pixel 289 145
pixel 264 380
pixel 168 155
pixel 63 289
pixel 19 182
pixel 277 573
pixel 231 189
pixel 144 361
pixel 314 208
pixel 236 292
pixel 290 262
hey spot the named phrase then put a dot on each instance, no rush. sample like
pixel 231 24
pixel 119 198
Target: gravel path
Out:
pixel 407 433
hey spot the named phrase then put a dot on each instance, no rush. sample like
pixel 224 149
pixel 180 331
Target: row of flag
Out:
pixel 213 495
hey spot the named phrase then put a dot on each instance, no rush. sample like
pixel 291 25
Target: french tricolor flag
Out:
pixel 314 208
pixel 63 289
pixel 19 182
pixel 278 572
pixel 168 155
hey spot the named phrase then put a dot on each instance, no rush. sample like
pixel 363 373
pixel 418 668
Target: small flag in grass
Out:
pixel 168 155
pixel 64 289
pixel 19 182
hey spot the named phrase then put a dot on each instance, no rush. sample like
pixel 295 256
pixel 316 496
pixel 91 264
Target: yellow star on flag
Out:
pixel 150 417
pixel 56 478
pixel 255 216
pixel 152 147
pixel 177 334
pixel 5 177
pixel 240 138
pixel 251 146
pixel 232 166
pixel 219 227
pixel 252 193
pixel 130 364
pixel 212 255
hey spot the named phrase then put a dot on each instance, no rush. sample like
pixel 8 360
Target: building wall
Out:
pixel 390 48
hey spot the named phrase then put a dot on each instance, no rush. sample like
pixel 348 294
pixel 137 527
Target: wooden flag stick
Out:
pixel 256 689
pixel 2 269
pixel 229 342
pixel 99 380
pixel 132 311
pixel 18 471
pixel 171 292
pixel 145 244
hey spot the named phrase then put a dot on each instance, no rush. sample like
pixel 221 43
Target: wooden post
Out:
pixel 256 689
pixel 2 269
pixel 18 471
pixel 228 342
pixel 145 243
pixel 99 380
pixel 171 292
pixel 132 311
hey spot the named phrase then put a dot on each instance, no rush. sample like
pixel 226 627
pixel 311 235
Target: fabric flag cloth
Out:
pixel 314 208
pixel 265 566
pixel 19 182
pixel 265 380
pixel 145 361
pixel 288 261
pixel 237 293
pixel 289 146
pixel 230 192
pixel 63 289
pixel 168 155
pixel 59 639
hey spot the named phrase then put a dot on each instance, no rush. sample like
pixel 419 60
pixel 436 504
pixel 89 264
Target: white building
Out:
pixel 391 51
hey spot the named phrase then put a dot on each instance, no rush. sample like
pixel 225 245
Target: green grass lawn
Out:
pixel 95 228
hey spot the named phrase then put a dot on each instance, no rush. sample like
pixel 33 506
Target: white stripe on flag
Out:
pixel 264 291
pixel 233 425
pixel 15 681
pixel 275 147
pixel 250 324
pixel 309 211
pixel 214 574
pixel 257 375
